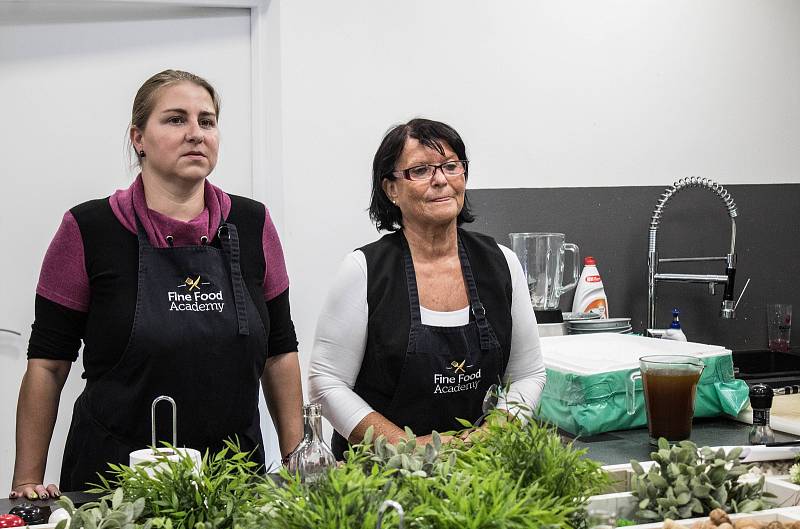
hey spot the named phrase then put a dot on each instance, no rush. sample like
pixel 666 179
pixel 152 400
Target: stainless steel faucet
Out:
pixel 727 308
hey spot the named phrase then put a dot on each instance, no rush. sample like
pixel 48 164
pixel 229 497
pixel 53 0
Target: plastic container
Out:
pixel 675 332
pixel 590 296
pixel 586 374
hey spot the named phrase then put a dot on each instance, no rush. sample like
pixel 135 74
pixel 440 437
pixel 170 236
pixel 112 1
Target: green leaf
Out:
pixel 657 480
pixel 637 467
pixel 647 514
pixel 663 444
pixel 670 493
pixel 717 475
pixel 116 499
pixel 368 435
pixel 701 491
pixel 437 440
pixel 138 507
pixel 430 453
pixel 749 506
pixel 89 521
pixel 463 422
pixel 666 503
pixel 721 495
pixel 396 461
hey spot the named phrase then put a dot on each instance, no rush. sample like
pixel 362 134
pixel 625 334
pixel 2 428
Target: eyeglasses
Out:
pixel 449 169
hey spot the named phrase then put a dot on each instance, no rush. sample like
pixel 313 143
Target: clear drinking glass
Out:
pixel 542 258
pixel 670 386
pixel 312 457
pixel 779 327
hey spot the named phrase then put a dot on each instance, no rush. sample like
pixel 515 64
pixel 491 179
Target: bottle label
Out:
pixel 760 417
pixel 593 279
pixel 598 306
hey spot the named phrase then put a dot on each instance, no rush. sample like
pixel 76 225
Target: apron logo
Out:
pixel 458 380
pixel 192 283
pixel 193 299
pixel 458 367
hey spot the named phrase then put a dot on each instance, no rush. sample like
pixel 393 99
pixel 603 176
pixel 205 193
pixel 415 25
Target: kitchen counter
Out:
pixel 78 498
pixel 620 447
pixel 784 415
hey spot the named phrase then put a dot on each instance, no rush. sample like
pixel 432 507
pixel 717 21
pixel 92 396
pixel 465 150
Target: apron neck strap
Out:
pixel 229 237
pixel 140 231
pixel 475 305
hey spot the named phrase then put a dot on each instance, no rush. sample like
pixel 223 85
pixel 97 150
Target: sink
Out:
pixel 767 367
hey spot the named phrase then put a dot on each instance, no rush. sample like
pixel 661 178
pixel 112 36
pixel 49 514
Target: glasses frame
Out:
pixel 406 173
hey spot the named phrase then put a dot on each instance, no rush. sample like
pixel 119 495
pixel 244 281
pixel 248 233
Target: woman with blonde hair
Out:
pixel 175 288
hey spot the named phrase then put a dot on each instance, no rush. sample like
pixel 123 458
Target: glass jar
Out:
pixel 312 457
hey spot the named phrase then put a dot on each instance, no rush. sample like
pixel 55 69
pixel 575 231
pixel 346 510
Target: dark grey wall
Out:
pixel 611 224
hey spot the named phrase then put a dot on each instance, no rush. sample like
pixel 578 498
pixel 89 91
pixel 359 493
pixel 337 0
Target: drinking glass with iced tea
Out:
pixel 670 386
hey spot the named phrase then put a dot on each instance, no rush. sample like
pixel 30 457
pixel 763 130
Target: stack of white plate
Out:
pixel 612 325
pixel 571 316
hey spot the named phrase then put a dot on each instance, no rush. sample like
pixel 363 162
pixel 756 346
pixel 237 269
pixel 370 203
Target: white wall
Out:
pixel 545 93
pixel 67 79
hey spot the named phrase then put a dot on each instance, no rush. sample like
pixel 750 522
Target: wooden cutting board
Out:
pixel 785 415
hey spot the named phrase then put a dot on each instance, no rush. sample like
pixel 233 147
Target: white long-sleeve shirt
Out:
pixel 341 338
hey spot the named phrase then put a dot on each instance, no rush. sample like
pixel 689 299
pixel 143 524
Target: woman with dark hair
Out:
pixel 175 288
pixel 421 323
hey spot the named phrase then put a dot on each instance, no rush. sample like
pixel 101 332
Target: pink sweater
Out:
pixel 63 278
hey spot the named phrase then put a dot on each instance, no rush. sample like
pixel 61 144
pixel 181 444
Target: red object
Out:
pixel 11 520
pixel 589 260
pixel 592 279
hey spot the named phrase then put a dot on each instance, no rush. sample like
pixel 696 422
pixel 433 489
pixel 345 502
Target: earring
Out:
pixel 141 154
pixel 394 202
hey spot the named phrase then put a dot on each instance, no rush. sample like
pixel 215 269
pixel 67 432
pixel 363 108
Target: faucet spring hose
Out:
pixel 686 183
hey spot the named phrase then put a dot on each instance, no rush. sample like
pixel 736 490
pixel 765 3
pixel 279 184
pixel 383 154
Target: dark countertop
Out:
pixel 620 447
pixel 78 498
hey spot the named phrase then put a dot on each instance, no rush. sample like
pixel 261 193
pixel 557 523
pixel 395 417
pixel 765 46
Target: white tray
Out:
pixel 590 354
pixel 621 501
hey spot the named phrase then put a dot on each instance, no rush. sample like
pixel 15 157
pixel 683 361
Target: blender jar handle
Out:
pixel 630 391
pixel 576 266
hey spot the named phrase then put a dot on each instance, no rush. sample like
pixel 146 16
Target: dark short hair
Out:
pixel 432 134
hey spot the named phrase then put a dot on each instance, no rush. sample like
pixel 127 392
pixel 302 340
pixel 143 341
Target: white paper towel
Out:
pixel 150 455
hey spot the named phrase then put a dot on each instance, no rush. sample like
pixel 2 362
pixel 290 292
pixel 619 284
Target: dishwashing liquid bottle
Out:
pixel 675 332
pixel 590 295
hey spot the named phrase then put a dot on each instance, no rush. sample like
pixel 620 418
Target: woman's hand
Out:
pixel 423 440
pixel 33 491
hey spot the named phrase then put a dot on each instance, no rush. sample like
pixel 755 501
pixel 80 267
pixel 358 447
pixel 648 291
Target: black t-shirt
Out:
pixel 111 258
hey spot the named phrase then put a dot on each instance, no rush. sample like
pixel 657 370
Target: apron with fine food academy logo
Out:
pixel 446 371
pixel 197 336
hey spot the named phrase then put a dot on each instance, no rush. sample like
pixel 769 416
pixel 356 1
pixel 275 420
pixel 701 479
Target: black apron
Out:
pixel 197 336
pixel 447 370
